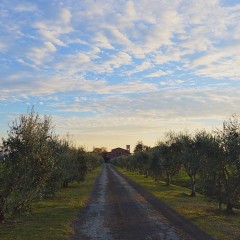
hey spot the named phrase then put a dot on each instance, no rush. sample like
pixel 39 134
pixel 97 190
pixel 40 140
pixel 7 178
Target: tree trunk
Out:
pixel 168 180
pixel 2 214
pixel 229 207
pixel 220 197
pixel 65 184
pixel 219 205
pixel 193 186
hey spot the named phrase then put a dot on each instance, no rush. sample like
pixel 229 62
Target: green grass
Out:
pixel 51 218
pixel 197 209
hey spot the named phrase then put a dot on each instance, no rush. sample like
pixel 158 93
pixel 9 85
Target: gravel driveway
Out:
pixel 120 209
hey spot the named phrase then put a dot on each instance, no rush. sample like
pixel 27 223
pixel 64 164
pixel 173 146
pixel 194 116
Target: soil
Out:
pixel 120 209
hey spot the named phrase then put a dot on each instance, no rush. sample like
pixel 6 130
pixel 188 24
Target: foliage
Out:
pixel 101 151
pixel 140 147
pixel 169 157
pixel 221 168
pixel 29 162
pixel 93 160
pixel 38 163
pixel 124 162
pixel 191 151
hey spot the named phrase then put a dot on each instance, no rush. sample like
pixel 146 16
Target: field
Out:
pixel 51 218
pixel 197 209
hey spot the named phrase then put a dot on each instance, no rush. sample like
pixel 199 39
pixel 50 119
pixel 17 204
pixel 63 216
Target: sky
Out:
pixel 112 73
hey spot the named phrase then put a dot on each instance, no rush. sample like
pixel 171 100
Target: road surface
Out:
pixel 118 210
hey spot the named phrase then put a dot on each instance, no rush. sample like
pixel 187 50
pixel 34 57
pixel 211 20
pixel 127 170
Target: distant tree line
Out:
pixel 212 159
pixel 37 163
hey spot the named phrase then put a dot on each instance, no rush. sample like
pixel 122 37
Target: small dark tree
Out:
pixel 140 147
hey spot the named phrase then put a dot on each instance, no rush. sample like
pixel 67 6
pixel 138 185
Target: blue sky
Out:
pixel 114 72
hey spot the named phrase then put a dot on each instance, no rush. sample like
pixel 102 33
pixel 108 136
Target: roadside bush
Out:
pixel 93 160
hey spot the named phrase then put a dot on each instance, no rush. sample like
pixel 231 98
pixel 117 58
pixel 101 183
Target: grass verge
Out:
pixel 198 210
pixel 51 218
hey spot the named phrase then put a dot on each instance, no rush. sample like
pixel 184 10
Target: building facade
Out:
pixel 117 152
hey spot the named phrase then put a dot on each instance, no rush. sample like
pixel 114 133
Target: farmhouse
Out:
pixel 116 152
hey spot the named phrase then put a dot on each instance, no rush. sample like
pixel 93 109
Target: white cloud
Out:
pixel 3 47
pixel 65 16
pixel 218 55
pixel 147 115
pixel 120 59
pixel 37 55
pixel 76 63
pixel 171 83
pixel 117 36
pixel 40 85
pixel 219 63
pixel 131 10
pixel 173 104
pixel 52 30
pixel 50 35
pixel 141 67
pixel 129 87
pixel 91 61
pixel 102 42
pixel 157 74
pixel 27 7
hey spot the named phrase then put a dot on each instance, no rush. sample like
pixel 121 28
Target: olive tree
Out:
pixel 28 164
pixel 169 162
pixel 191 148
pixel 211 169
pixel 220 169
pixel 230 142
pixel 155 163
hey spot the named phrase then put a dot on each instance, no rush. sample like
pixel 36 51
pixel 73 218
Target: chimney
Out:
pixel 128 148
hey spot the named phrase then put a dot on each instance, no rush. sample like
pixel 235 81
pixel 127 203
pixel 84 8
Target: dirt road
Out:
pixel 119 209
